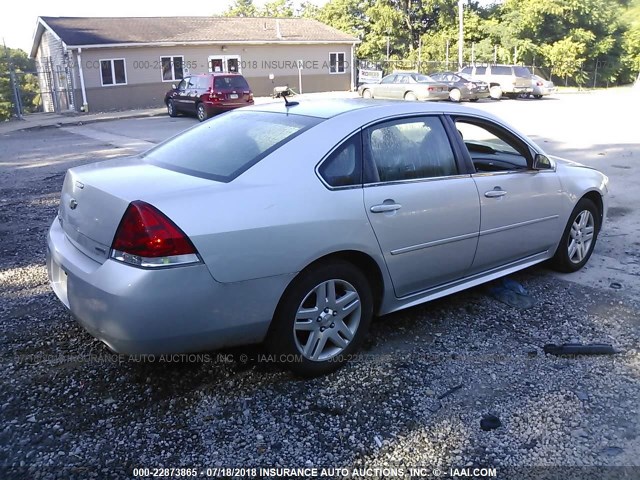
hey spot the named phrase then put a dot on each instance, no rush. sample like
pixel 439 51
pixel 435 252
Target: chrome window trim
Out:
pixel 417 180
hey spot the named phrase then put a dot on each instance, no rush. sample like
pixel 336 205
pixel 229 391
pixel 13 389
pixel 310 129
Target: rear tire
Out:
pixel 410 96
pixel 537 97
pixel 496 92
pixel 455 95
pixel 579 238
pixel 171 109
pixel 321 319
pixel 201 112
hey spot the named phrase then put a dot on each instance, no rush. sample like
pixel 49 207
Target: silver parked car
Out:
pixel 295 224
pixel 407 86
pixel 541 87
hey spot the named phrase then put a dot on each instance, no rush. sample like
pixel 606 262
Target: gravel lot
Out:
pixel 415 397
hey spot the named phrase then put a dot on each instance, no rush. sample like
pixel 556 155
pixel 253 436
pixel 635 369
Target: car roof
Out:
pixel 327 108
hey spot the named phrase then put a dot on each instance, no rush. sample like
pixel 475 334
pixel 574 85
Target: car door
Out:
pixel 423 207
pixel 385 87
pixel 519 206
pixel 400 87
pixel 191 94
pixel 179 95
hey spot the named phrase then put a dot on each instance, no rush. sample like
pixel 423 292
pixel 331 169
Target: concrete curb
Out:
pixel 17 125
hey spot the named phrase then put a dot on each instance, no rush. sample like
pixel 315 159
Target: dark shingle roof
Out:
pixel 117 30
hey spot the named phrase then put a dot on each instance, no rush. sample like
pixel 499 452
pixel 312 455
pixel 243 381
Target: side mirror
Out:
pixel 541 162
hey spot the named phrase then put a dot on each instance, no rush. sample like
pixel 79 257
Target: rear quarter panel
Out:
pixel 277 217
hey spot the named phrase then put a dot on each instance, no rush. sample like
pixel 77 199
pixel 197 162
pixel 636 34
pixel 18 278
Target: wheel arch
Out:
pixel 364 262
pixel 596 197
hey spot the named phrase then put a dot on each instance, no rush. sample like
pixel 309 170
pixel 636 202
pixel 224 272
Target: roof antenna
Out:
pixel 286 94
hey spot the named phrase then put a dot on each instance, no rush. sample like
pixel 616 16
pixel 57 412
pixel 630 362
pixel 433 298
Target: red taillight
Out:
pixel 539 84
pixel 213 97
pixel 431 89
pixel 146 237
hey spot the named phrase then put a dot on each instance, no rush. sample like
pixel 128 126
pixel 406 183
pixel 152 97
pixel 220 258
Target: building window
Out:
pixel 113 72
pixel 336 62
pixel 172 68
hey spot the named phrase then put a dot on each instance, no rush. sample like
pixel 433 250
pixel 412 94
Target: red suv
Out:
pixel 207 94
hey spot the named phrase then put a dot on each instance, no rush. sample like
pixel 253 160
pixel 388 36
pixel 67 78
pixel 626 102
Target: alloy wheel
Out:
pixel 581 236
pixel 327 320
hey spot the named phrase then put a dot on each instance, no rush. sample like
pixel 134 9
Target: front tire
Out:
pixel 171 109
pixel 579 238
pixel 322 318
pixel 495 92
pixel 537 97
pixel 366 94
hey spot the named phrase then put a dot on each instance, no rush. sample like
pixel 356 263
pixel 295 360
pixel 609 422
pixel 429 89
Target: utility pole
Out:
pixel 387 46
pixel 14 84
pixel 460 33
pixel 447 54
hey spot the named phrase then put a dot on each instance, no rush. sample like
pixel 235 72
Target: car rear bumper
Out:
pixel 545 90
pixel 224 106
pixel 156 311
pixel 435 96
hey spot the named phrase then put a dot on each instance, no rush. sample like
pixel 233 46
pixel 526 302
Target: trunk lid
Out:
pixel 94 198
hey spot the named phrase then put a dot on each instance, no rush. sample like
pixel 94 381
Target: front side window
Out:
pixel 408 149
pixel 172 68
pixel 336 62
pixel 388 79
pixel 227 145
pixel 491 148
pixel 113 72
pixel 344 166
pixel 479 70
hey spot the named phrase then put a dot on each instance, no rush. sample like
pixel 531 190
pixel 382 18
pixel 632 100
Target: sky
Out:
pixel 18 21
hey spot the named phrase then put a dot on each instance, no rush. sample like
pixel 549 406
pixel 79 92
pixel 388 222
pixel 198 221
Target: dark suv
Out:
pixel 207 94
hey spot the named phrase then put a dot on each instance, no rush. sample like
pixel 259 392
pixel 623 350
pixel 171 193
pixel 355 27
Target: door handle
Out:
pixel 495 193
pixel 386 207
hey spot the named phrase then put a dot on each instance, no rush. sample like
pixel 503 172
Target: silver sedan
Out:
pixel 294 224
pixel 407 86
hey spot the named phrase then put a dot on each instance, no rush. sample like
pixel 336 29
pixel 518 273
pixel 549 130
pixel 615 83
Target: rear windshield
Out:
pixel 227 145
pixel 234 82
pixel 522 72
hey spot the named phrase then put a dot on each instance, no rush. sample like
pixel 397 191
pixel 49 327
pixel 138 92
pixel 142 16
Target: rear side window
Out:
pixel 234 82
pixel 522 71
pixel 227 145
pixel 481 70
pixel 500 70
pixel 344 166
pixel 467 70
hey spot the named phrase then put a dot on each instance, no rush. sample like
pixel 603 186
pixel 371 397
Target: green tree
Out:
pixel 277 8
pixel 27 82
pixel 565 56
pixel 241 8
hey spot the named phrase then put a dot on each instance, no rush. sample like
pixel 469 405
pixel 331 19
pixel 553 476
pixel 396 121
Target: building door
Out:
pixel 224 64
